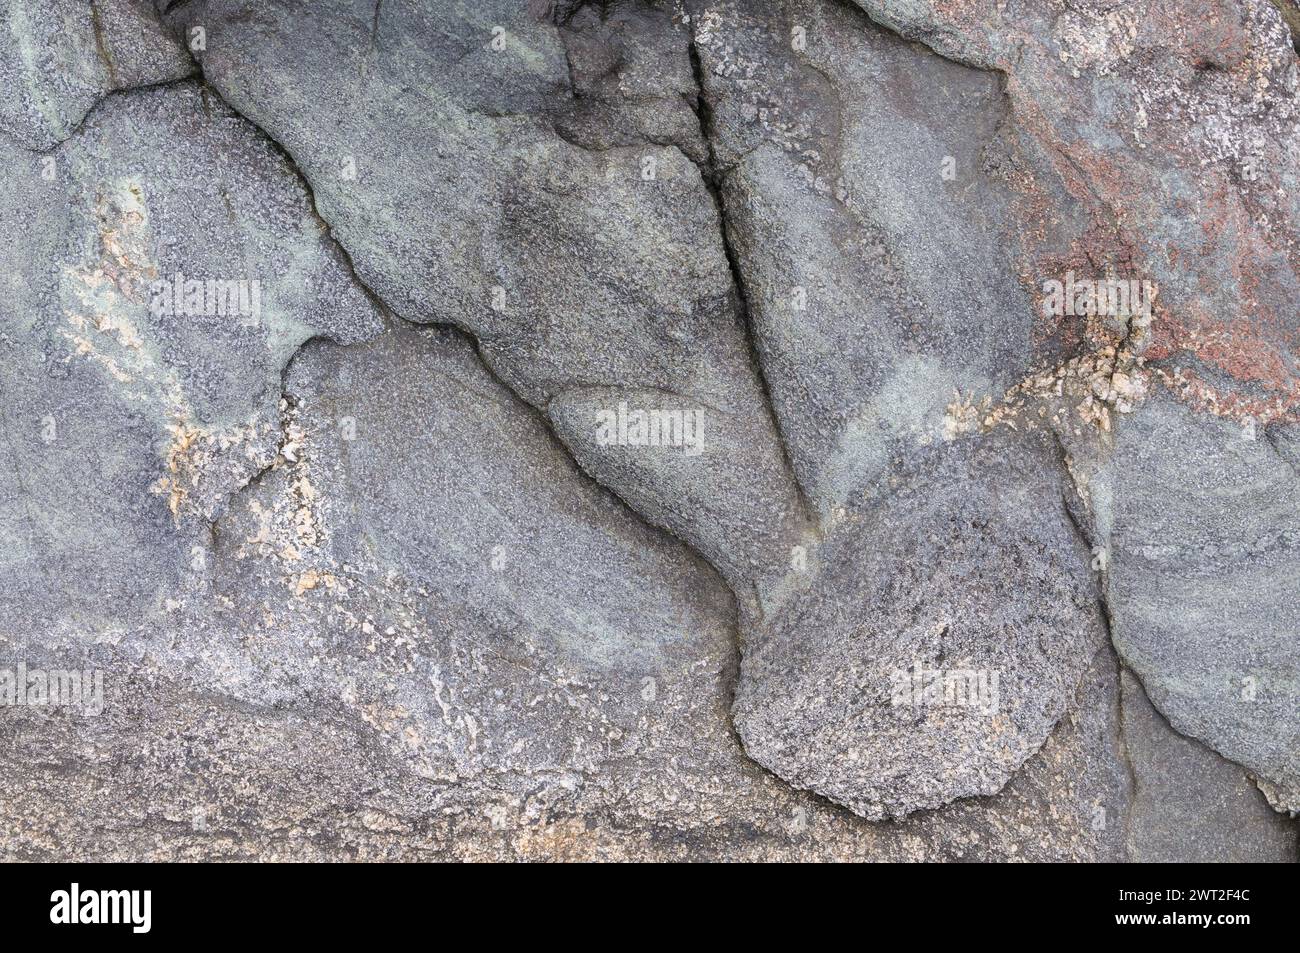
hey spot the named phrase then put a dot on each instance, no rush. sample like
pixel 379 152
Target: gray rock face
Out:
pixel 161 193
pixel 370 605
pixel 57 59
pixel 878 239
pixel 870 191
pixel 567 228
pixel 1160 114
pixel 634 431
pixel 1187 795
pixel 407 669
pixel 944 635
pixel 312 781
pixel 631 78
pixel 510 620
pixel 1202 520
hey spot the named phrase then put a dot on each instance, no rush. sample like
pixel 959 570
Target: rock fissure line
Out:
pixel 101 47
pixel 708 178
pixel 388 312
pixel 712 179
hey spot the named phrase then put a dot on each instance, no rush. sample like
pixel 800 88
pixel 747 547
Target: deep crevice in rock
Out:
pixel 712 178
pixel 390 314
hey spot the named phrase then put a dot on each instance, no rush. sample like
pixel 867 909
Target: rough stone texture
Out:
pixel 1186 125
pixel 1290 11
pixel 58 58
pixel 498 618
pixel 631 77
pixel 1186 795
pixel 483 197
pixel 392 594
pixel 173 771
pixel 1202 524
pixel 1178 135
pixel 975 568
pixel 877 286
pixel 880 289
pixel 127 429
pixel 418 668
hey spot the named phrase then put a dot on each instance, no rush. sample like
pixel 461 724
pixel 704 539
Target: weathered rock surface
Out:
pixel 417 667
pixel 174 771
pixel 870 188
pixel 427 588
pixel 968 582
pixel 420 668
pixel 535 186
pixel 1179 135
pixel 58 58
pixel 128 423
pixel 1186 795
pixel 463 586
pixel 1202 526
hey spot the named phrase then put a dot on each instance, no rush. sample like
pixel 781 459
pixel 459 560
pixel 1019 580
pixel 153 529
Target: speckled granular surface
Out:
pixel 670 429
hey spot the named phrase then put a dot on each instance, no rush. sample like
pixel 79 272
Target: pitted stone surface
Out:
pixel 380 557
pixel 58 58
pixel 536 185
pixel 946 631
pixel 136 401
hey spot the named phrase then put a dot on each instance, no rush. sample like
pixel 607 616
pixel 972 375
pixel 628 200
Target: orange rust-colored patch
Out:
pixel 1240 351
pixel 1219 269
pixel 1193 390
